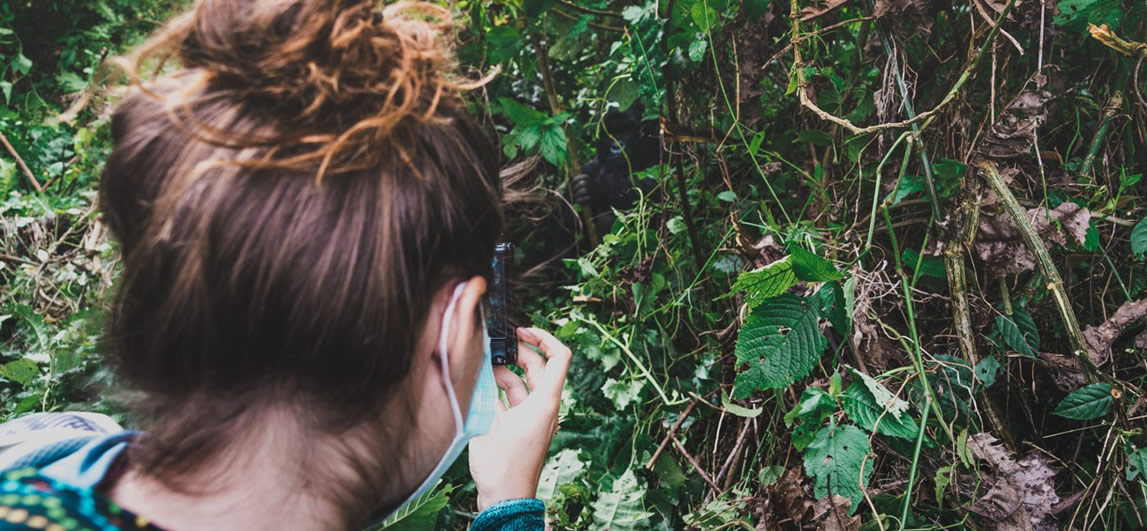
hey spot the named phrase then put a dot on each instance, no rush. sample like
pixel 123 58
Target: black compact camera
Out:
pixel 503 337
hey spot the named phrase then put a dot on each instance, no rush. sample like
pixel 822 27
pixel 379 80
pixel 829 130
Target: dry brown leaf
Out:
pixel 1099 338
pixel 1013 134
pixel 832 514
pixel 1022 493
pixel 918 12
pixel 820 8
pixel 998 241
pixel 795 498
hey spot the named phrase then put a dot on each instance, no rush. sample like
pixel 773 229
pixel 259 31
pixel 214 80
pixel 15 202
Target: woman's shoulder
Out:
pixel 30 500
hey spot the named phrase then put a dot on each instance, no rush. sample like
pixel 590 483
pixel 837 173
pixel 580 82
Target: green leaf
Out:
pixel 1019 332
pixel 1086 403
pixel 1136 462
pixel 561 469
pixel 70 82
pixel 908 185
pixel 527 137
pixel 21 64
pixel 519 113
pixel 422 513
pixel 21 371
pixel 697 50
pixel 766 282
pixel 535 8
pixel 770 474
pixel 987 369
pixel 812 268
pixel 806 417
pixel 1139 238
pixel 962 450
pixel 932 266
pixel 780 343
pixel 815 137
pixel 727 196
pixel 554 144
pixel 622 393
pixel 942 479
pixel 740 411
pixel 1076 14
pixel 883 398
pixel 622 507
pixel 669 472
pixel 703 16
pixel 860 406
pixel 836 461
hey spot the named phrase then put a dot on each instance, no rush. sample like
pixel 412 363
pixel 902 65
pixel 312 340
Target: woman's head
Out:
pixel 295 200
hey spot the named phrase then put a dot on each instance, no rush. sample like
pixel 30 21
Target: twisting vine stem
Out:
pixel 1043 258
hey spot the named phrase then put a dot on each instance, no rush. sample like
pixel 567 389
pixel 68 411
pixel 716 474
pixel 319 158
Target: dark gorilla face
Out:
pixel 626 144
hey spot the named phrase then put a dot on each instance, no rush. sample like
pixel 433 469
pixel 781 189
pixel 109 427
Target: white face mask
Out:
pixel 483 405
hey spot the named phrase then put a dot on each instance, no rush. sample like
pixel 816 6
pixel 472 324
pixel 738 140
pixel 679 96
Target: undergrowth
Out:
pixel 892 275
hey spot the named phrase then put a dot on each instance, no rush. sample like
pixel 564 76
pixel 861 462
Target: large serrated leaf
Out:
pixel 780 343
pixel 622 507
pixel 565 467
pixel 1139 238
pixel 766 282
pixel 861 407
pixel 835 460
pixel 812 268
pixel 1019 332
pixel 1086 403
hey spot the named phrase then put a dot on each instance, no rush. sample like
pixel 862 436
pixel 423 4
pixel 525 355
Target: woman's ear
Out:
pixel 464 339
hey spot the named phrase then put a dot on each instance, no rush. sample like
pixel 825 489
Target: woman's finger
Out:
pixel 557 364
pixel 512 384
pixel 533 363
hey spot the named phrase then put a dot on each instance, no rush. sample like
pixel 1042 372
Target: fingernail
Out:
pixel 528 333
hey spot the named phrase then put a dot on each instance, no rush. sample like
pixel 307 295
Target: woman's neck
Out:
pixel 277 477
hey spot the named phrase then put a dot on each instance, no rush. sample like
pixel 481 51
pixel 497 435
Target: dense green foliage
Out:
pixel 925 317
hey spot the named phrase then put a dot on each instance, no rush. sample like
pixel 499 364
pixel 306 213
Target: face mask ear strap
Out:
pixel 444 356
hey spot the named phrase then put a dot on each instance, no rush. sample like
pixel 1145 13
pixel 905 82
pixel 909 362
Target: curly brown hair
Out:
pixel 290 192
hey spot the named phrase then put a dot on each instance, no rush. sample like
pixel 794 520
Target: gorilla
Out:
pixel 625 146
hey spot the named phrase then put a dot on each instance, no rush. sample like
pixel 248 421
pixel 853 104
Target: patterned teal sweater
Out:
pixel 52 465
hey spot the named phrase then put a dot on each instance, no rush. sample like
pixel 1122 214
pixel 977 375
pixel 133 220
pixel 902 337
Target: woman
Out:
pixel 307 216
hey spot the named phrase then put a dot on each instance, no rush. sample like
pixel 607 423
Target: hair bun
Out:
pixel 340 73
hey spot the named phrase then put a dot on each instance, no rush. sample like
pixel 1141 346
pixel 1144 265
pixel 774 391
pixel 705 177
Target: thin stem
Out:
pixel 916 353
pixel 915 461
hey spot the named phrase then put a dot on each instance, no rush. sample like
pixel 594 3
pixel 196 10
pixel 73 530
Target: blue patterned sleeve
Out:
pixel 525 514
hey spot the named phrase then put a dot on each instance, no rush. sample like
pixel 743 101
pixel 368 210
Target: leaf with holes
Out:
pixel 1086 403
pixel 561 469
pixel 780 343
pixel 766 282
pixel 623 506
pixel 986 371
pixel 836 461
pixel 806 417
pixel 1136 462
pixel 1139 238
pixel 1019 332
pixel 861 406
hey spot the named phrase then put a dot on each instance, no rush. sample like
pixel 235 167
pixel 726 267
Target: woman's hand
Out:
pixel 507 462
